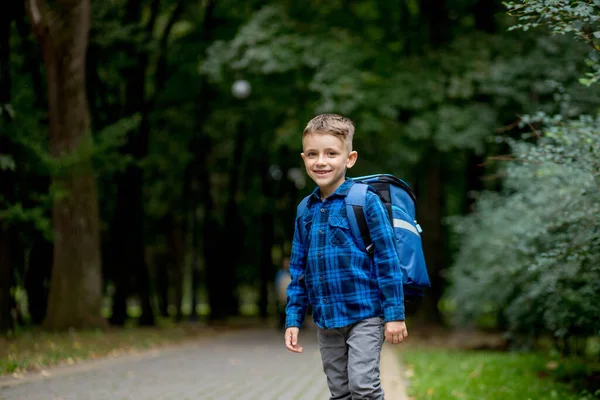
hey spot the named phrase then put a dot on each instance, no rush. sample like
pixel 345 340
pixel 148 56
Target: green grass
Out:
pixel 440 374
pixel 36 349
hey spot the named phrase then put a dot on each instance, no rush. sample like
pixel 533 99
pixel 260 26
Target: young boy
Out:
pixel 357 299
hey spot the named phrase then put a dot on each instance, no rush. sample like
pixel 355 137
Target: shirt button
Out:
pixel 321 277
pixel 325 300
pixel 322 210
pixel 320 232
pixel 319 255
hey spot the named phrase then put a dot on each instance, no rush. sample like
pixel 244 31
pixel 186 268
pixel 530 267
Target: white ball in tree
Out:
pixel 241 89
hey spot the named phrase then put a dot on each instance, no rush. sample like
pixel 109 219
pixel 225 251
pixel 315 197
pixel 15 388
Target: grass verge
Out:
pixel 437 373
pixel 36 349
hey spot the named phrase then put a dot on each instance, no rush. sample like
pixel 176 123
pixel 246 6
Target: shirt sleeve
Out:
pixel 385 257
pixel 297 297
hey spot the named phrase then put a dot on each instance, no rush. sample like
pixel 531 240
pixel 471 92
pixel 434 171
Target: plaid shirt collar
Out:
pixel 341 191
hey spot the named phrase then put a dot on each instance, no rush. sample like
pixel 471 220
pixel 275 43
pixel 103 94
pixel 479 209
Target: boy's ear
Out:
pixel 352 157
pixel 302 155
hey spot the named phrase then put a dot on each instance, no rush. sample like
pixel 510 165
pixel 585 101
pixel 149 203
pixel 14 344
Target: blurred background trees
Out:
pixel 197 184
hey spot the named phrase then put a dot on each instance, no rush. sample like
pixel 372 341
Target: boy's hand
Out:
pixel 291 340
pixel 395 331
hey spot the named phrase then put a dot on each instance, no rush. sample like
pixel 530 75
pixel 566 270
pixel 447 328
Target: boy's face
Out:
pixel 326 158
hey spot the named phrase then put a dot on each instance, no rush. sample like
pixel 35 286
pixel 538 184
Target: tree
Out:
pixel 6 162
pixel 62 29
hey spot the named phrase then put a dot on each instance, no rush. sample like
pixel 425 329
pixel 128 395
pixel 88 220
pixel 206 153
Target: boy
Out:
pixel 357 299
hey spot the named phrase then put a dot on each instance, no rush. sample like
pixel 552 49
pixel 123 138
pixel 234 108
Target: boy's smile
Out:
pixel 326 158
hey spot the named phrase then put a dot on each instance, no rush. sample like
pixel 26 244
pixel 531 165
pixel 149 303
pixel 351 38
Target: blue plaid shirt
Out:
pixel 341 282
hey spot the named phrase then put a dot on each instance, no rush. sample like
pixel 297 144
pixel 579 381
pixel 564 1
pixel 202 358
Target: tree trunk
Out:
pixel 267 239
pixel 195 276
pixel 161 276
pixel 6 183
pixel 220 281
pixel 7 322
pixel 176 258
pixel 221 247
pixel 431 209
pixel 221 241
pixel 198 185
pixel 430 185
pixel 132 275
pixel 484 12
pixel 37 278
pixel 437 21
pixel 231 244
pixel 212 241
pixel 266 262
pixel 62 28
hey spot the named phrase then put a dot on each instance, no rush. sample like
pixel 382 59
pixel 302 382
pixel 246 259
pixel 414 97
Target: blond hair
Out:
pixel 332 124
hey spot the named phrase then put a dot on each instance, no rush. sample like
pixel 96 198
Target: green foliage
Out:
pixel 7 163
pixel 454 97
pixel 579 18
pixel 561 16
pixel 532 252
pixel 105 151
pixel 164 167
pixel 530 255
pixel 35 217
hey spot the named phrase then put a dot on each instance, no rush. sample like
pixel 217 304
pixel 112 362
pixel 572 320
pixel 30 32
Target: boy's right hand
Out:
pixel 291 340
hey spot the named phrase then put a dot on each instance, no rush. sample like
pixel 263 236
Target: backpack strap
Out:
pixel 355 211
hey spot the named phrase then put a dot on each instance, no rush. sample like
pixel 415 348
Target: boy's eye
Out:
pixel 311 154
pixel 332 154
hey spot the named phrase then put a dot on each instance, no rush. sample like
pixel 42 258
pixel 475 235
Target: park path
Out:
pixel 242 365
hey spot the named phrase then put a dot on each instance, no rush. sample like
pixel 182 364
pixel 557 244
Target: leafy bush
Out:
pixel 530 255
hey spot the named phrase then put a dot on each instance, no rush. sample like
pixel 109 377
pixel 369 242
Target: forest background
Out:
pixel 135 184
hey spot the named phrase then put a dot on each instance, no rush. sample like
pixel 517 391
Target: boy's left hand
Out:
pixel 395 331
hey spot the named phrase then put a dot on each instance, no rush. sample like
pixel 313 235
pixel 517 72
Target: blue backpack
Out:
pixel 399 200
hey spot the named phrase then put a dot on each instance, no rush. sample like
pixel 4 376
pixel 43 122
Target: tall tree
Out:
pixel 129 226
pixel 127 229
pixel 62 28
pixel 6 320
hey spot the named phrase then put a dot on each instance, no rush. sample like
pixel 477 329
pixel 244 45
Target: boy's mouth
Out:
pixel 321 173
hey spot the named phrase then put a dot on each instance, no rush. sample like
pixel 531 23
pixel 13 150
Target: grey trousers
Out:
pixel 351 358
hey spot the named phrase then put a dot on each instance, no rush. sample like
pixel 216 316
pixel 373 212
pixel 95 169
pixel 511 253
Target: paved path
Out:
pixel 243 365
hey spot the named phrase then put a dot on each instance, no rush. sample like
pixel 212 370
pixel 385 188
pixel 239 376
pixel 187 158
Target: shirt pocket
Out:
pixel 339 231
